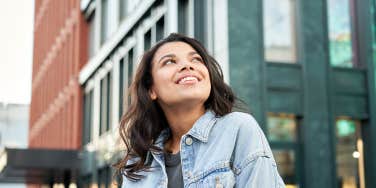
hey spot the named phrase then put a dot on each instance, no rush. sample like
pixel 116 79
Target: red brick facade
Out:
pixel 60 50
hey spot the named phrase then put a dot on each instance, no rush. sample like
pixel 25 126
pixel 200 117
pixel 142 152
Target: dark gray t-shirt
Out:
pixel 174 171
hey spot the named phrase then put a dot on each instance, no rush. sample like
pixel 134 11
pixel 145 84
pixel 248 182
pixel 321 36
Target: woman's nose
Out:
pixel 186 66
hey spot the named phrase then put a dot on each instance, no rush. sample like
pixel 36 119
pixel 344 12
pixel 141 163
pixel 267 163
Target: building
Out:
pixel 305 68
pixel 14 121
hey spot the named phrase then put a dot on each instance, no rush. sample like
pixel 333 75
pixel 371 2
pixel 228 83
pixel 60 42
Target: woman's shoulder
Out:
pixel 241 120
pixel 248 134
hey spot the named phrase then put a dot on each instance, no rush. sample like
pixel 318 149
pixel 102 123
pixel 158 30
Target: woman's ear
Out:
pixel 152 94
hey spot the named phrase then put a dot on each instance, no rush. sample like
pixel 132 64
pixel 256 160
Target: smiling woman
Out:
pixel 181 131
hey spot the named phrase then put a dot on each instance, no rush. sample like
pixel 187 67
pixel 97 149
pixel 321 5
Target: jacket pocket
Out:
pixel 219 176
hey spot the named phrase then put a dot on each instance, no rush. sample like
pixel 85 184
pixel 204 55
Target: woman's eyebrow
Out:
pixel 193 53
pixel 165 56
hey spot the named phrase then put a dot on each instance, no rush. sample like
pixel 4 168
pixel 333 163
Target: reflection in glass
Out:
pixel 91 39
pixel 286 165
pixel 349 154
pixel 340 47
pixel 279 30
pixel 281 128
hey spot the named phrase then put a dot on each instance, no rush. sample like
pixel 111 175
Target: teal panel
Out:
pixel 284 76
pixel 317 122
pixel 352 106
pixel 366 43
pixel 349 81
pixel 284 102
pixel 246 55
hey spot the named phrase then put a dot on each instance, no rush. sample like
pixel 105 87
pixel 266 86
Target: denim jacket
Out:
pixel 218 152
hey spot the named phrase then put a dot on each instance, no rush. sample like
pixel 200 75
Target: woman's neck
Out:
pixel 180 121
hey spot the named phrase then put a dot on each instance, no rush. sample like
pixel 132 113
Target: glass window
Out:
pixel 109 101
pixel 286 165
pixel 88 110
pixel 123 9
pixel 109 19
pixel 159 29
pixel 126 72
pixel 103 106
pixel 121 86
pixel 130 72
pixel 279 31
pixel 340 45
pixel 147 40
pixel 349 154
pixel 282 133
pixel 104 21
pixel 282 128
pixel 91 40
pixel 200 21
pixel 183 16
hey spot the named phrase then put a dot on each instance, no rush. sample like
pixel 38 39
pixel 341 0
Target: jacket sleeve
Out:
pixel 253 161
pixel 261 172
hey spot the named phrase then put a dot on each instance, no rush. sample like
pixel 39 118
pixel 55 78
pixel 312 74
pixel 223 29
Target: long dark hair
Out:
pixel 144 120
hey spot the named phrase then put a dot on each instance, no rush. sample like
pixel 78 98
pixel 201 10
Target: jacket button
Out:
pixel 188 141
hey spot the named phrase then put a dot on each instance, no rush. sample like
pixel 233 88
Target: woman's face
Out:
pixel 180 76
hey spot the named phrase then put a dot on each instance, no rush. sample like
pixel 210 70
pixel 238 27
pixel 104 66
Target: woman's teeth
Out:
pixel 187 79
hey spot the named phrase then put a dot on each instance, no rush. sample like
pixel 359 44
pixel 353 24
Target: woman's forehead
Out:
pixel 175 48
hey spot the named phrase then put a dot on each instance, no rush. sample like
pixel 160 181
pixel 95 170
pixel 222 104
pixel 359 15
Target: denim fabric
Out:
pixel 218 152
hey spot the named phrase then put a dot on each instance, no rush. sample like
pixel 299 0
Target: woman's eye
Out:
pixel 170 61
pixel 197 59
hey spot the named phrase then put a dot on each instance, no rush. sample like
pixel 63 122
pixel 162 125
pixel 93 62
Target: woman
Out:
pixel 180 130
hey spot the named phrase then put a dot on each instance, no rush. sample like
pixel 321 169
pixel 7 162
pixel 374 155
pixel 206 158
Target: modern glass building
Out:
pixel 305 68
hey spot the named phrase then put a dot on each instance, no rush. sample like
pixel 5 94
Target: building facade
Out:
pixel 14 120
pixel 306 69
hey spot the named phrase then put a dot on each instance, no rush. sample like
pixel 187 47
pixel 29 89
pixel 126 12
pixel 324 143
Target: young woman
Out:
pixel 181 131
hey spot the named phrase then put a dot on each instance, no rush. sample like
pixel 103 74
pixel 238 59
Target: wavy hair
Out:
pixel 144 120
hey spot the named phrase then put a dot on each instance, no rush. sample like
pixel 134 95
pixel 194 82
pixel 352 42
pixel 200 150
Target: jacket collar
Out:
pixel 200 129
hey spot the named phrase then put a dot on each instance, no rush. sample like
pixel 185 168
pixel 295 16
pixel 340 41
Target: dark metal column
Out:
pixel 317 123
pixel 246 54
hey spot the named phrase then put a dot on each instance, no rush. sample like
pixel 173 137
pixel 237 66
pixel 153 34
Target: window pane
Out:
pixel 349 153
pixel 88 102
pixel 279 30
pixel 340 33
pixel 121 87
pixel 103 106
pixel 130 73
pixel 281 128
pixel 91 40
pixel 286 166
pixel 109 101
pixel 104 21
pixel 200 21
pixel 160 29
pixel 183 16
pixel 123 9
pixel 147 40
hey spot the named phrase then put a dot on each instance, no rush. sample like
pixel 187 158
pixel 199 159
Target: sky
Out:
pixel 16 49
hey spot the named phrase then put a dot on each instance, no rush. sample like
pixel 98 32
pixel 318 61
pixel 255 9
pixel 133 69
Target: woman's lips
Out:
pixel 188 80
